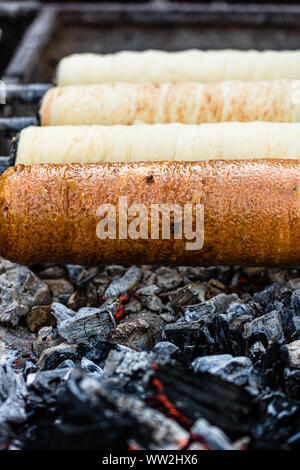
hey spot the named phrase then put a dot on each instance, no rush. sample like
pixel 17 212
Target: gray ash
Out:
pixel 149 357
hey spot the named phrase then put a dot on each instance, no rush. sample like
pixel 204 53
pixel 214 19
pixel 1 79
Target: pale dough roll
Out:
pixel 158 142
pixel 189 65
pixel 188 103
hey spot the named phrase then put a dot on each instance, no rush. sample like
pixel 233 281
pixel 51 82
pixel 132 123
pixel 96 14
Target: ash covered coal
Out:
pixel 149 357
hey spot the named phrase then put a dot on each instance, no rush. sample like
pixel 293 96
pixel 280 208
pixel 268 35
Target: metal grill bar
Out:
pixel 27 94
pixel 9 127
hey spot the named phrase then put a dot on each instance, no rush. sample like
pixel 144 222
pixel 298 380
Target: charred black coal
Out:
pixel 149 357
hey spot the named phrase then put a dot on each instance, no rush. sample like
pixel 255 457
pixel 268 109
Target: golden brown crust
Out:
pixel 252 212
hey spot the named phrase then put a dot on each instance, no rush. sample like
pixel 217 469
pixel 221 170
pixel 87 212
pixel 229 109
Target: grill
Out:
pixel 61 29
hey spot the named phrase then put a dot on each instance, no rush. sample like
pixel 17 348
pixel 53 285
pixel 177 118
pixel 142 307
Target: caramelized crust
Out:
pixel 252 211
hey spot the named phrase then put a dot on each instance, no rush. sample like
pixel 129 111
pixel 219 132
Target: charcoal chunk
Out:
pixel 45 387
pixel 153 303
pixel 67 364
pixel 196 312
pixel 270 324
pixel 210 335
pixel 230 407
pixel 20 290
pixel 188 295
pixel 13 395
pixel 236 310
pixel 295 302
pixel 152 289
pixel 293 350
pixel 40 316
pixel 52 357
pixel 234 369
pixel 168 278
pixel 211 435
pixel 128 282
pixel 91 367
pixel 76 327
pixel 98 350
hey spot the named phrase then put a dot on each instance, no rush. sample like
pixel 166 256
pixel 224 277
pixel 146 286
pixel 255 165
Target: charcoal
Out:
pixel 210 335
pixel 272 365
pixel 292 383
pixel 99 350
pixel 138 331
pixel 163 351
pixel 74 272
pixel 153 303
pixel 167 278
pixel 15 344
pixel 281 422
pixel 237 325
pixel 67 364
pixel 131 369
pixel 196 312
pixel 128 282
pixel 270 324
pixel 236 310
pixel 234 369
pixel 151 289
pixel 45 387
pixel 127 368
pixel 223 301
pixel 295 302
pixel 288 326
pixel 59 287
pixel 40 316
pixel 76 327
pixel 296 322
pixel 174 358
pixel 114 271
pixel 6 265
pixel 212 436
pixel 148 278
pixel 167 317
pixel 52 272
pixel 257 353
pixel 133 306
pixel 267 295
pixel 202 395
pixel 91 295
pixel 29 368
pixel 277 275
pixel 293 284
pixel 13 395
pixel 213 288
pixel 94 417
pixel 20 290
pixel 150 423
pixel 91 367
pixel 293 350
pixel 7 356
pixel 52 357
pixel 188 295
pixel 47 337
pixel 87 275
